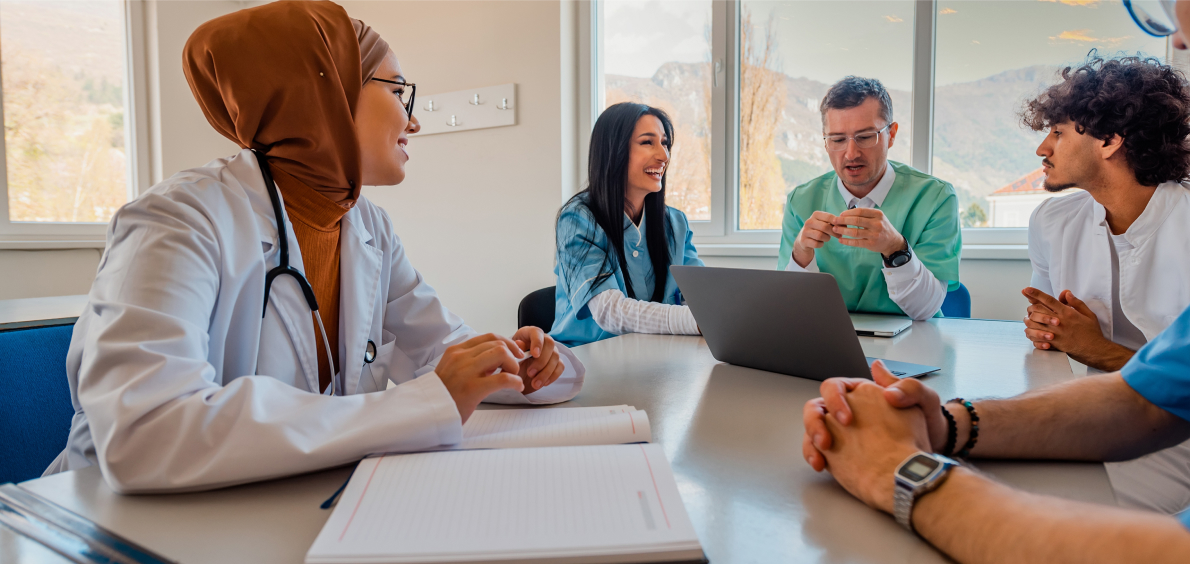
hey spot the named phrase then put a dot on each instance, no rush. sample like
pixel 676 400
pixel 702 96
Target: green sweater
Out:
pixel 923 208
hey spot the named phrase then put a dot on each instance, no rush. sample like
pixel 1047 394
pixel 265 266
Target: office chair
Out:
pixel 537 310
pixel 957 303
pixel 35 408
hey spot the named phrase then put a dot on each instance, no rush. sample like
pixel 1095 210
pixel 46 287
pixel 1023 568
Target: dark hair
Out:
pixel 1140 99
pixel 607 176
pixel 852 91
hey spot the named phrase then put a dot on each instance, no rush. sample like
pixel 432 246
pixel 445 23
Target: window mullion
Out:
pixel 722 85
pixel 925 15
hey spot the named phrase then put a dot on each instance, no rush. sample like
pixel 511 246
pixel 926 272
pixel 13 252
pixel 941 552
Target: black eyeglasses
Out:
pixel 412 91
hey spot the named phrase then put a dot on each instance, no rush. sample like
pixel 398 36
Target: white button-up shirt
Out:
pixel 1070 246
pixel 911 286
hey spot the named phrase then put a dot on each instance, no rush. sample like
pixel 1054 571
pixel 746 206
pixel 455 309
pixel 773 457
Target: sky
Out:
pixel 826 40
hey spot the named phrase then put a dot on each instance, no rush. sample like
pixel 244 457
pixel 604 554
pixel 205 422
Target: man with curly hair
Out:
pixel 884 440
pixel 1110 270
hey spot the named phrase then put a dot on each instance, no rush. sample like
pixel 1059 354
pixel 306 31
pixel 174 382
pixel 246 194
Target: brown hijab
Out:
pixel 284 78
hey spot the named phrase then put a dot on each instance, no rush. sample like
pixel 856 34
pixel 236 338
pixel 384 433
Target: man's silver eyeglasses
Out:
pixel 862 140
pixel 406 97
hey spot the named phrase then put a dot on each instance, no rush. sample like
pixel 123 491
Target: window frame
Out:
pixel 720 234
pixel 54 235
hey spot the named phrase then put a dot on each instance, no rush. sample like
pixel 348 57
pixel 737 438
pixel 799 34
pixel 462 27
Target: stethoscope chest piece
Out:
pixel 370 352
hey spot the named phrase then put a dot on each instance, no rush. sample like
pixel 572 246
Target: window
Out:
pixel 785 69
pixel 667 67
pixel 991 56
pixel 66 121
pixel 743 79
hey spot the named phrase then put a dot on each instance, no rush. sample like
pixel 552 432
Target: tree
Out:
pixel 974 216
pixel 64 153
pixel 762 98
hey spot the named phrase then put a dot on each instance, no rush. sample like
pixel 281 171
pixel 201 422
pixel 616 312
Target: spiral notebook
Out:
pixel 537 500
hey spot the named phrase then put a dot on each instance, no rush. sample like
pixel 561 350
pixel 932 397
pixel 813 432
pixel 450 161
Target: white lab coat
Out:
pixel 1069 247
pixel 177 382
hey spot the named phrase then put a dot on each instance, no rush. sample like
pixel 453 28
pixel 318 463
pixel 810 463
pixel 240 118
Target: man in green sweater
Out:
pixel 888 233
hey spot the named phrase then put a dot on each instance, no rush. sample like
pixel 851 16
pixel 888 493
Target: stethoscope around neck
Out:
pixel 283 268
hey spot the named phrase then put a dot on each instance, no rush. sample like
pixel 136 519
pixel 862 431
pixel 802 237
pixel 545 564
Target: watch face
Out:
pixel 899 259
pixel 918 468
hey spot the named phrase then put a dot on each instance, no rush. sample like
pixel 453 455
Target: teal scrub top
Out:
pixel 583 245
pixel 923 208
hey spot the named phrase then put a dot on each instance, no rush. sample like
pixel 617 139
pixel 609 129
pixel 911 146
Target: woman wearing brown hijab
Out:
pixel 179 384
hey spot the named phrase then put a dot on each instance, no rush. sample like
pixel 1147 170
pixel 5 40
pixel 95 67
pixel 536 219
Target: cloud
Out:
pixel 1083 35
pixel 1090 3
pixel 893 19
pixel 946 11
pixel 974 41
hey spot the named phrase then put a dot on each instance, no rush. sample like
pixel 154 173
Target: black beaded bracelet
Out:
pixel 952 433
pixel 973 436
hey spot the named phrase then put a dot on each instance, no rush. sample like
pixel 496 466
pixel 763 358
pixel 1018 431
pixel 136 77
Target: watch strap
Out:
pixel 903 506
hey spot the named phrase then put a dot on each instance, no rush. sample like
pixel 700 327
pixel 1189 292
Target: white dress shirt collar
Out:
pixel 876 196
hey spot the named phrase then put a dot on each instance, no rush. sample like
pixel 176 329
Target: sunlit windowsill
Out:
pixel 50 243
pixel 1002 252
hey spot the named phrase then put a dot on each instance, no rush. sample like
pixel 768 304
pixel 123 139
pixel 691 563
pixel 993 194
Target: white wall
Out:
pixel 476 211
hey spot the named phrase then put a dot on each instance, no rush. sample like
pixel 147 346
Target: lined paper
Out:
pixel 521 428
pixel 522 504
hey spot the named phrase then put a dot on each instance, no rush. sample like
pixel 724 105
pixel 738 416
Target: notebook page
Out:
pixel 478 505
pixel 521 428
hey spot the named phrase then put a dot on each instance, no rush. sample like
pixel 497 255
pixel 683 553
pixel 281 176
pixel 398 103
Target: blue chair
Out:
pixel 957 303
pixel 35 407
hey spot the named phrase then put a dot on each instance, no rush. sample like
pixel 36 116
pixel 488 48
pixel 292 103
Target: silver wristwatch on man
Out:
pixel 919 474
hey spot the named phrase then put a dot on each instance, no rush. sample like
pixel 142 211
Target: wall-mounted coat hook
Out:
pixel 464 110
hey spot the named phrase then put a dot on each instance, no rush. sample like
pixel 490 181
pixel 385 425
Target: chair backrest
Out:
pixel 957 303
pixel 35 407
pixel 537 309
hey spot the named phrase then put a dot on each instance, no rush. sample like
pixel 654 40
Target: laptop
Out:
pixel 790 323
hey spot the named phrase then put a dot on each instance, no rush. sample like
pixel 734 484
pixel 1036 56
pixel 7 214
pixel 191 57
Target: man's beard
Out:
pixel 1052 187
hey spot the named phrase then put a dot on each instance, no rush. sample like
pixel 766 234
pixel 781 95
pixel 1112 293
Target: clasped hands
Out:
pixel 1067 324
pixel 858 227
pixel 861 430
pixel 527 362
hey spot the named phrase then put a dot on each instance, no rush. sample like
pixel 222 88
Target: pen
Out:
pixel 335 497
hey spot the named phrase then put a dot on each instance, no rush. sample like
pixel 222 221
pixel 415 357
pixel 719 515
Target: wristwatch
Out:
pixel 898 258
pixel 919 474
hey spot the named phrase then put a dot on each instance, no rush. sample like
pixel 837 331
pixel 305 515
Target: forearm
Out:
pixel 975 519
pixel 801 259
pixel 1094 418
pixel 1108 357
pixel 617 314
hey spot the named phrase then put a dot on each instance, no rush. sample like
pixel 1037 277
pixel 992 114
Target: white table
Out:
pixel 732 435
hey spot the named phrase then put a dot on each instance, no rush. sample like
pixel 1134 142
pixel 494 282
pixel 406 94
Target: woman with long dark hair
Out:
pixel 616 239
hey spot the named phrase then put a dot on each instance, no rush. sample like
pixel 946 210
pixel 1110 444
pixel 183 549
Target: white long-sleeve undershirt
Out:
pixel 617 314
